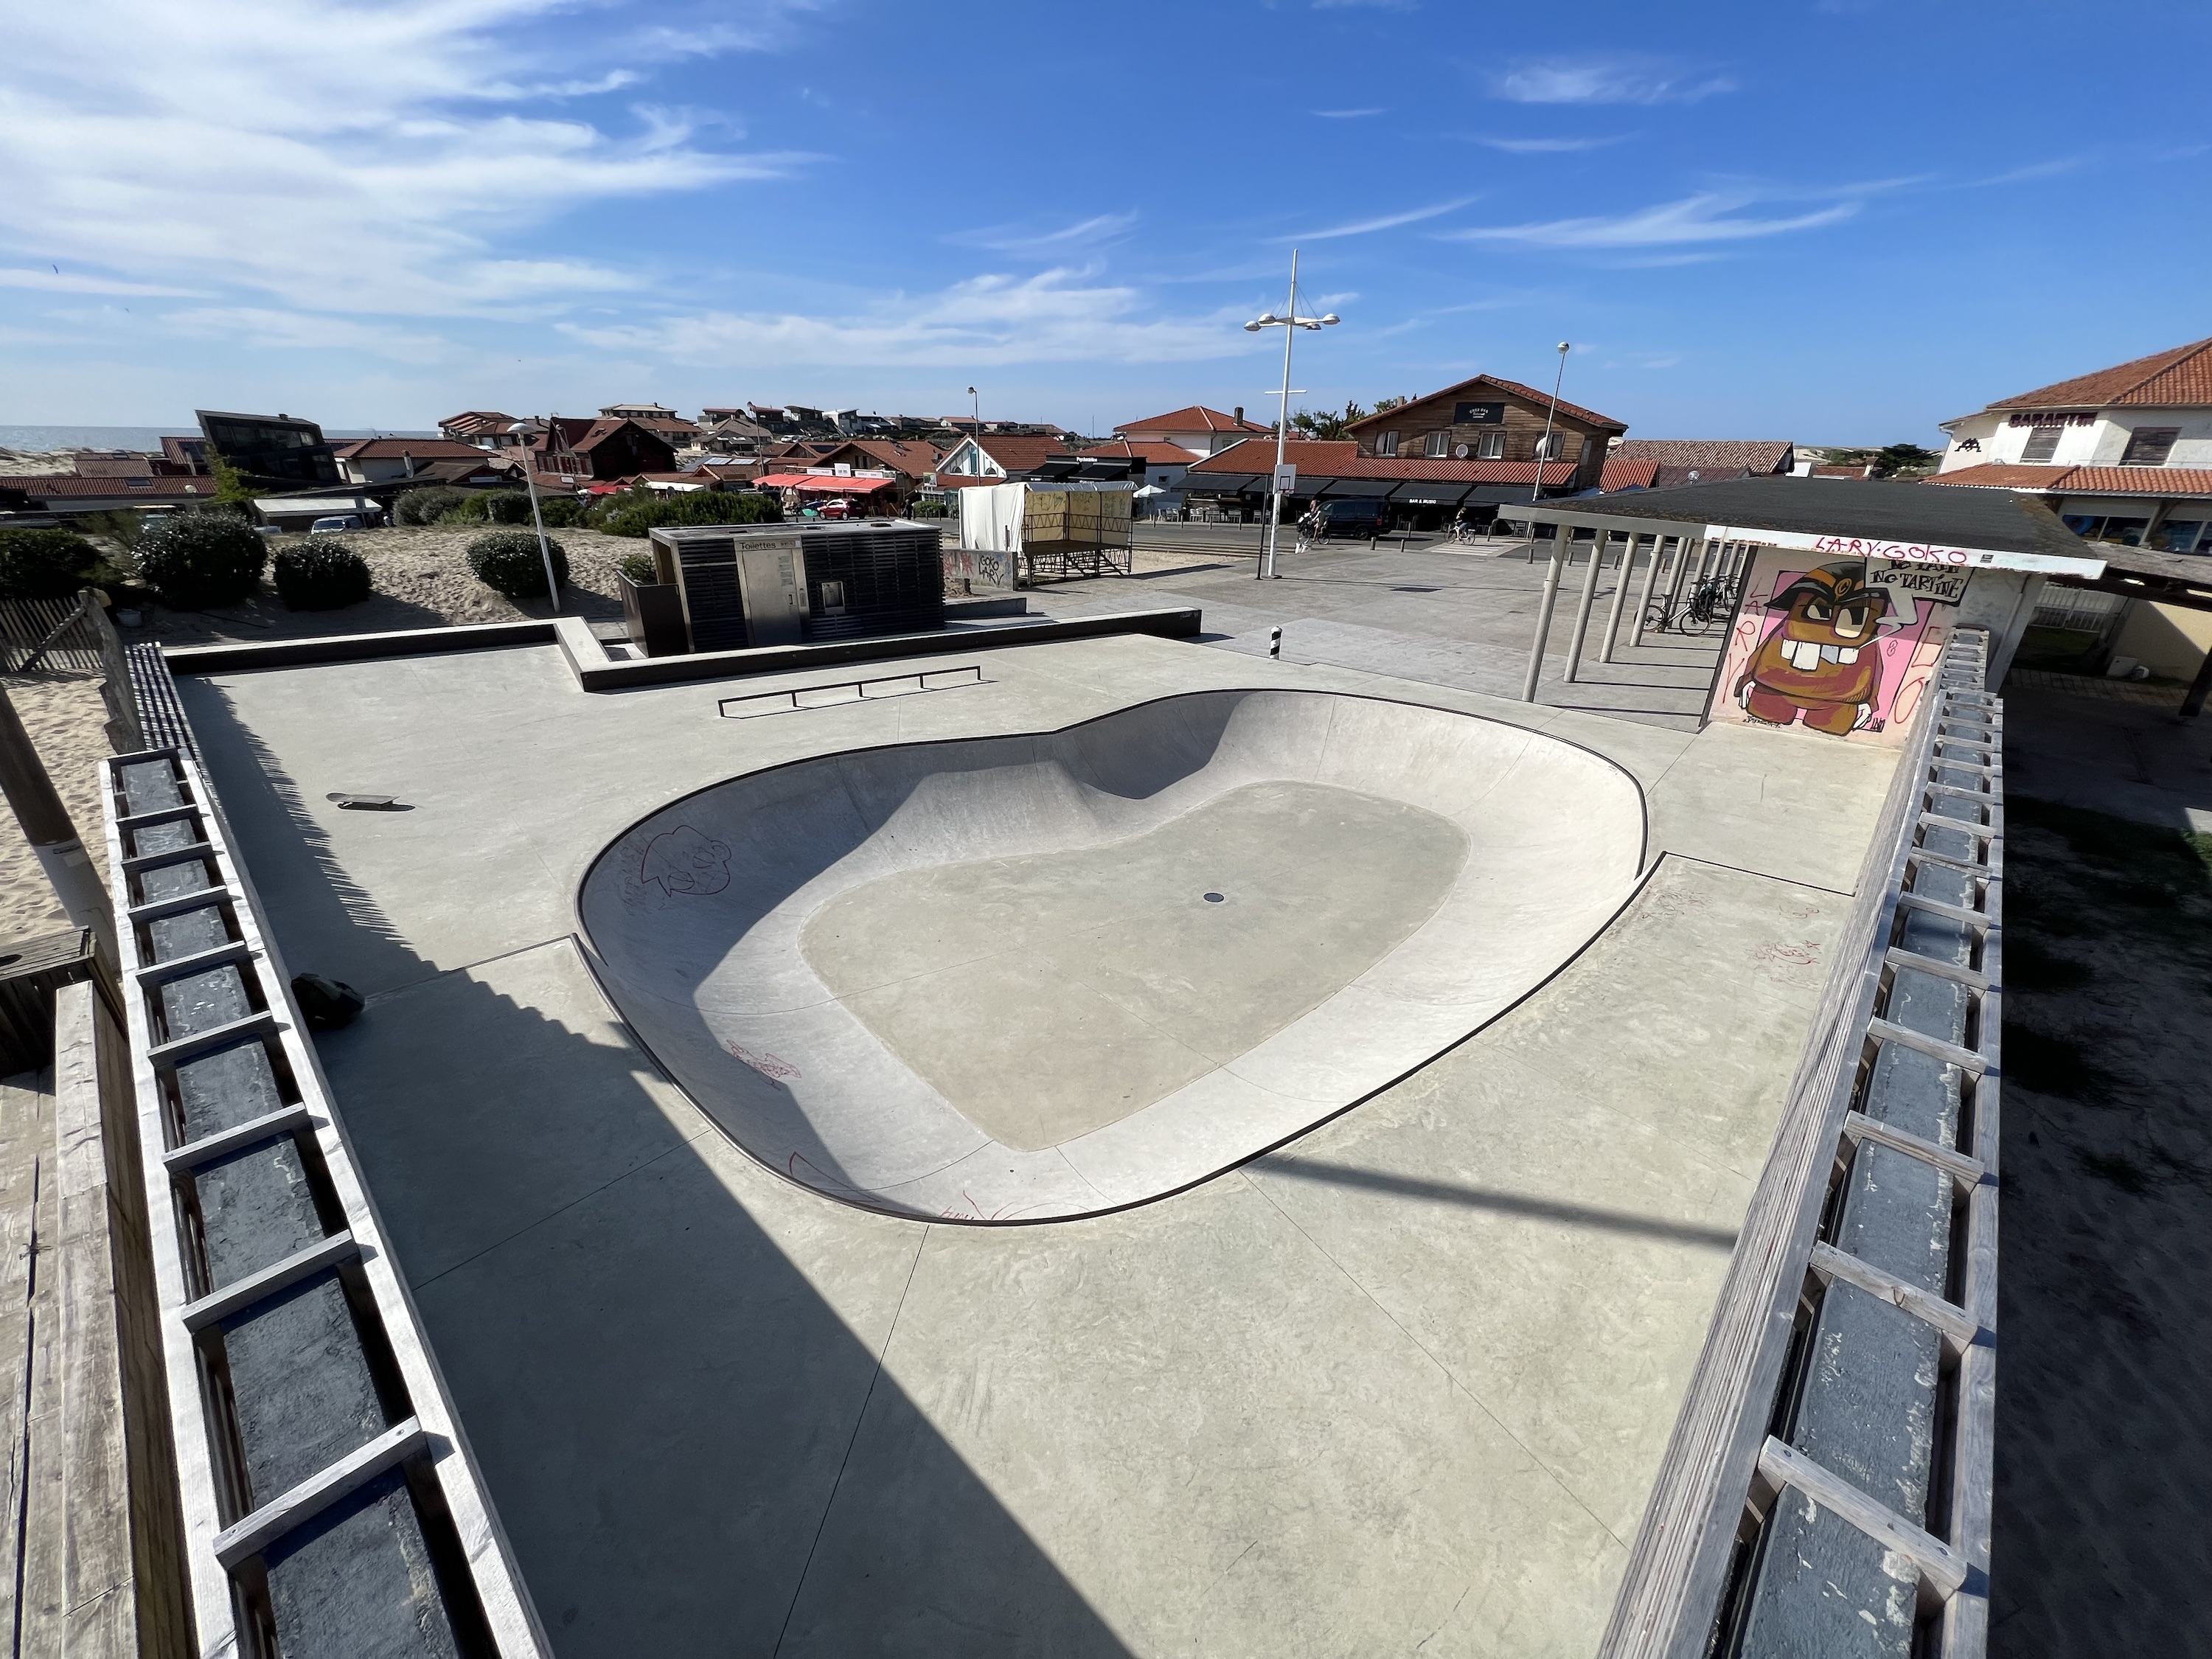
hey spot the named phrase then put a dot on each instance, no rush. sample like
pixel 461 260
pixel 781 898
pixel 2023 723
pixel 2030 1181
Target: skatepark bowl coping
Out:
pixel 1025 978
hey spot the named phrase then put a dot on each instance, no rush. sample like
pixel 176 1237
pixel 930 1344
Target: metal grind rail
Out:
pixel 1828 1486
pixel 330 1506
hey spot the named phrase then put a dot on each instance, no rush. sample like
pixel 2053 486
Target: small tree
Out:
pixel 322 575
pixel 45 564
pixel 1892 459
pixel 507 562
pixel 230 485
pixel 426 503
pixel 201 559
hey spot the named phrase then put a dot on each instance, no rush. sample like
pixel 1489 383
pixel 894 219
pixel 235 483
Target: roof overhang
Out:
pixel 1835 545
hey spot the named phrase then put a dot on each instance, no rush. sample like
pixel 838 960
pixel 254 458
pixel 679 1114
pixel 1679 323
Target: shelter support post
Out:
pixel 1621 593
pixel 2193 704
pixel 1544 620
pixel 1583 606
pixel 1650 582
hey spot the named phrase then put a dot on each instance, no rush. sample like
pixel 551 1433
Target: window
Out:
pixel 2177 536
pixel 1386 443
pixel 1439 446
pixel 1551 449
pixel 1493 446
pixel 2149 445
pixel 2042 443
pixel 2090 528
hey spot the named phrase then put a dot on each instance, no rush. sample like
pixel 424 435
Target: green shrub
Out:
pixel 507 561
pixel 426 503
pixel 322 575
pixel 635 512
pixel 639 568
pixel 561 512
pixel 201 559
pixel 43 564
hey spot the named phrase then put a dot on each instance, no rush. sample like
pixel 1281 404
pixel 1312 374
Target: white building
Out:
pixel 1200 430
pixel 2123 455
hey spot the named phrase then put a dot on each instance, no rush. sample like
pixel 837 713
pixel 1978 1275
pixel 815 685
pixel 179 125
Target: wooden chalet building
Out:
pixel 1490 419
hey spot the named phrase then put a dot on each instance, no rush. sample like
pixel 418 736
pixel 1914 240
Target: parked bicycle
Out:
pixel 1709 603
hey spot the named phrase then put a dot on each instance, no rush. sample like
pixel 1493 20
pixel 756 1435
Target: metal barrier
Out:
pixel 329 1501
pixel 1827 1485
pixel 49 634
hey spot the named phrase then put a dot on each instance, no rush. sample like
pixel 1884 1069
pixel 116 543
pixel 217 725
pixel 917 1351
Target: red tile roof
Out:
pixel 1342 459
pixel 477 420
pixel 2181 378
pixel 1511 388
pixel 1628 472
pixel 1196 418
pixel 1023 454
pixel 916 460
pixel 56 485
pixel 1757 456
pixel 422 449
pixel 2082 480
pixel 1140 449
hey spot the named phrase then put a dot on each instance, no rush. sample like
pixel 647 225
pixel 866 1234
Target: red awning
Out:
pixel 826 486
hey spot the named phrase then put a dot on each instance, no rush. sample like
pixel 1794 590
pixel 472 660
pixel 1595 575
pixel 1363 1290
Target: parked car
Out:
pixel 337 524
pixel 1346 515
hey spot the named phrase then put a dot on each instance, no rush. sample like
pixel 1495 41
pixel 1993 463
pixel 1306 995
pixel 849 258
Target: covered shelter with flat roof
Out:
pixel 1896 566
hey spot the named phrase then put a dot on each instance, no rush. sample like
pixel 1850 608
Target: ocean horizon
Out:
pixel 148 439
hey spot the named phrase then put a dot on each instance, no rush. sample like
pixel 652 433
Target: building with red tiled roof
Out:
pixel 2117 453
pixel 1200 430
pixel 484 429
pixel 68 493
pixel 1629 472
pixel 996 458
pixel 595 451
pixel 1708 460
pixel 1489 418
pixel 377 460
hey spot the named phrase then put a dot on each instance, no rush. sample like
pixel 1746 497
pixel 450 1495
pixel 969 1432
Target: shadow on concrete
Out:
pixel 691 1450
pixel 1497 1203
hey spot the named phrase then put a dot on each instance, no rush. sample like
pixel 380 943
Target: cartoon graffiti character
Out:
pixel 682 861
pixel 1821 662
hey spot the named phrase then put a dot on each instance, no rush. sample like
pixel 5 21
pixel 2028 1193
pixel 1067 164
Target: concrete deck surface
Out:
pixel 1399 1386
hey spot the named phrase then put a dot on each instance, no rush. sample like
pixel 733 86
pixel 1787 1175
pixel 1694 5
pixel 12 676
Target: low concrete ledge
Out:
pixel 595 670
pixel 353 648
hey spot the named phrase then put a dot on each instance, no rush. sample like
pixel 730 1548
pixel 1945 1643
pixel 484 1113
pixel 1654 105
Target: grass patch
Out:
pixel 2148 860
pixel 2030 965
pixel 2120 1172
pixel 2049 1065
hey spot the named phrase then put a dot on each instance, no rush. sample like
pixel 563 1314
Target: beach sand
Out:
pixel 68 723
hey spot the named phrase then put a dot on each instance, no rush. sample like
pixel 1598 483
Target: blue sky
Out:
pixel 1833 221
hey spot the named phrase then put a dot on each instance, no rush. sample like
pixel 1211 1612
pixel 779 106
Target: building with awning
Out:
pixel 1418 490
pixel 826 483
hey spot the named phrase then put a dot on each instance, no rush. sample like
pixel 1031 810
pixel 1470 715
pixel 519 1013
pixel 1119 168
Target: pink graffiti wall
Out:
pixel 1840 646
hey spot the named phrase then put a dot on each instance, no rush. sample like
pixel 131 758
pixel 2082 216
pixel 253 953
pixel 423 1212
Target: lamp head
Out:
pixel 1332 318
pixel 1252 328
pixel 1563 348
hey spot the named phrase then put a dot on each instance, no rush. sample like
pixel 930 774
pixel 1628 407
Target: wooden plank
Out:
pixel 21 1165
pixel 1968 1172
pixel 1828 1263
pixel 1897 956
pixel 288 1510
pixel 244 1293
pixel 99 1600
pixel 45 1579
pixel 1966 1060
pixel 283 1120
pixel 1938 1562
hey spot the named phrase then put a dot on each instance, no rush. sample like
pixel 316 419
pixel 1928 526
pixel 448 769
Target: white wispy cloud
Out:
pixel 1620 79
pixel 337 156
pixel 1386 221
pixel 1551 146
pixel 1009 239
pixel 1055 316
pixel 1346 114
pixel 1711 216
pixel 56 281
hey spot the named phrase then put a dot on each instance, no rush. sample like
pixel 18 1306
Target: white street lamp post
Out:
pixel 530 483
pixel 1290 325
pixel 1544 449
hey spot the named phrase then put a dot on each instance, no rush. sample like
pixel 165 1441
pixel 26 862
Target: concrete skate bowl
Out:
pixel 1033 977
